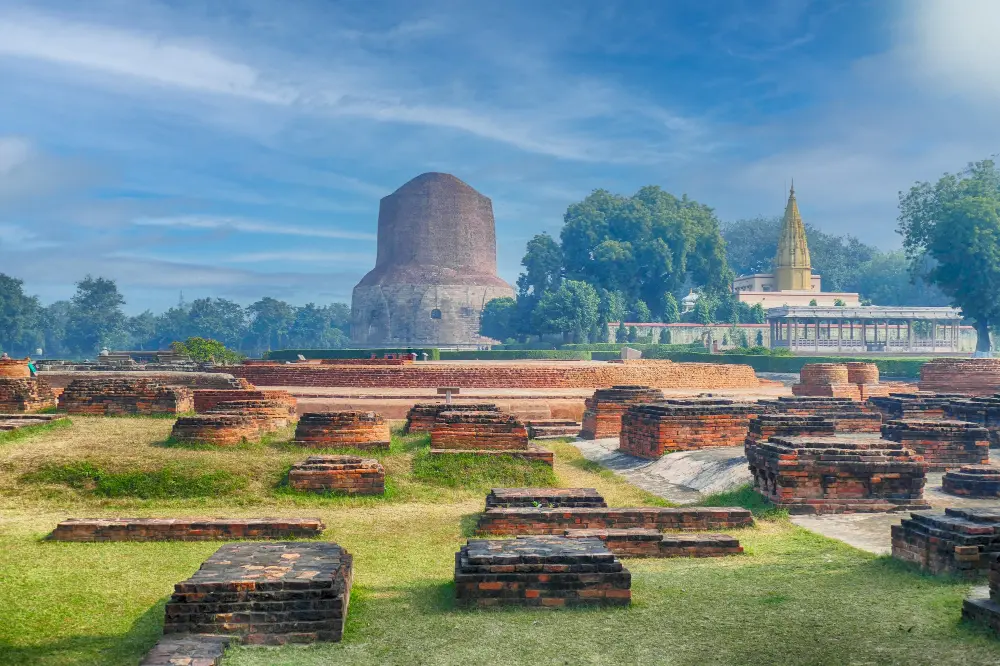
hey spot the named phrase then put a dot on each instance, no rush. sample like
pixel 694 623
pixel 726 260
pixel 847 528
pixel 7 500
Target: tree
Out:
pixel 665 336
pixel 54 319
pixel 813 302
pixel 204 350
pixel 633 334
pixel 671 312
pixel 621 335
pixel 889 280
pixel 142 330
pixel 499 320
pixel 542 267
pixel 96 319
pixel 956 223
pixel 217 319
pixel 757 314
pixel 19 317
pixel 572 308
pixel 640 312
pixel 312 327
pixel 704 310
pixel 760 338
pixel 270 321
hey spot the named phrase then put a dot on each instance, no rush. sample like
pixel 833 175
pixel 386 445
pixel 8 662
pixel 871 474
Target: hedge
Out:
pixel 433 353
pixel 641 346
pixel 888 367
pixel 516 354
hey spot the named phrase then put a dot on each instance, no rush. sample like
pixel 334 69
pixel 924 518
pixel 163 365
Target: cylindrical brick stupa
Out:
pixel 435 269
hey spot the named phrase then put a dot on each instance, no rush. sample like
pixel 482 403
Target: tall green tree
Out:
pixel 313 326
pixel 542 264
pixel 19 317
pixel 217 319
pixel 956 222
pixel 671 311
pixel 269 323
pixel 571 310
pixel 96 319
pixel 499 320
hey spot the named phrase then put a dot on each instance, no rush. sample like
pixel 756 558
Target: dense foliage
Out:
pixel 205 350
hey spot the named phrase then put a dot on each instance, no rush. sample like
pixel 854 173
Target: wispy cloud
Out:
pixel 303 256
pixel 250 227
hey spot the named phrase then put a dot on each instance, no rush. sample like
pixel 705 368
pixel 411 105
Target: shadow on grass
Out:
pixel 748 498
pixel 480 473
pixel 124 649
pixel 468 525
pixel 171 481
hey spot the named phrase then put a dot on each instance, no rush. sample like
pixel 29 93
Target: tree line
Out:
pixel 93 319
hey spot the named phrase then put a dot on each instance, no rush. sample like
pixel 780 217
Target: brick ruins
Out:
pixel 492 430
pixel 206 400
pixel 898 406
pixel 766 426
pixel 837 474
pixel 968 376
pixel 959 542
pixel 986 610
pixel 268 414
pixel 215 429
pixel 848 416
pixel 650 431
pixel 185 529
pixel 544 497
pixel 14 368
pixel 828 380
pixel 267 593
pixel 116 397
pixel 20 395
pixel 943 444
pixel 188 649
pixel 422 416
pixel 639 542
pixel 972 481
pixel 435 270
pixel 531 520
pixel 528 374
pixel 552 428
pixel 982 410
pixel 366 431
pixel 866 377
pixel 14 421
pixel 349 475
pixel 602 416
pixel 540 571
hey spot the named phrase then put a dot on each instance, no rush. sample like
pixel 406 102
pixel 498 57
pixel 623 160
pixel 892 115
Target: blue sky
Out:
pixel 239 149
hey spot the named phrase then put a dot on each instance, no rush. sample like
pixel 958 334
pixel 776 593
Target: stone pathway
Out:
pixel 683 477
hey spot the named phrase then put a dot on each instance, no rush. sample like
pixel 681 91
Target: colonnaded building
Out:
pixel 435 270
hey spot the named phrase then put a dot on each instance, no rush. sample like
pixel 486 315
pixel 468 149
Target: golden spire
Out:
pixel 792 266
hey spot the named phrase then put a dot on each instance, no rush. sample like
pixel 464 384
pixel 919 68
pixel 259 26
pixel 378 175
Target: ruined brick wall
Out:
pixel 207 399
pixel 658 374
pixel 14 368
pixel 350 429
pixel 219 379
pixel 650 431
pixel 969 376
pixel 603 414
pixel 25 395
pixel 484 431
pixel 826 380
pixel 529 520
pixel 943 444
pixel 110 397
pixel 435 268
pixel 423 415
pixel 216 429
pixel 961 542
pixel 349 475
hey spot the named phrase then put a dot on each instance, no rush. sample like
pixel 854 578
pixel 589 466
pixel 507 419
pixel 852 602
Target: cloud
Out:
pixel 303 256
pixel 250 227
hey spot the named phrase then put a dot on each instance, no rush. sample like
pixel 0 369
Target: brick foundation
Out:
pixel 602 416
pixel 544 497
pixel 116 397
pixel 567 374
pixel 828 380
pixel 215 429
pixel 269 415
pixel 349 475
pixel 524 520
pixel 984 411
pixel 641 542
pixel 986 610
pixel 813 475
pixel 552 428
pixel 913 405
pixel 540 571
pixel 848 416
pixel 184 529
pixel 14 421
pixel 14 368
pixel 959 542
pixel 367 431
pixel 968 376
pixel 189 650
pixel 422 416
pixel 269 593
pixel 21 395
pixel 487 431
pixel 766 426
pixel 972 481
pixel 943 444
pixel 650 431
pixel 208 399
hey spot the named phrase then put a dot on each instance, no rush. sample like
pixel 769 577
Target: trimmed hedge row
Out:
pixel 517 354
pixel 641 346
pixel 433 353
pixel 888 367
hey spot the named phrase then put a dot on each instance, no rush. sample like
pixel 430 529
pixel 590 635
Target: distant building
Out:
pixel 793 283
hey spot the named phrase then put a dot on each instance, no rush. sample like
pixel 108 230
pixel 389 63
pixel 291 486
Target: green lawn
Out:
pixel 793 598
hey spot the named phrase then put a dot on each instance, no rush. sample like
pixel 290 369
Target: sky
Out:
pixel 240 149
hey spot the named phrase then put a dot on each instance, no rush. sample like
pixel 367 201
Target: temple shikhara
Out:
pixel 792 282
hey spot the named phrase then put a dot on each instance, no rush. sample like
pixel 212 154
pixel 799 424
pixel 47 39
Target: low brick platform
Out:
pixel 766 426
pixel 981 410
pixel 115 397
pixel 602 416
pixel 811 475
pixel 640 542
pixel 986 610
pixel 268 414
pixel 367 431
pixel 268 593
pixel 422 416
pixel 185 529
pixel 487 431
pixel 188 650
pixel 14 368
pixel 14 421
pixel 23 395
pixel 650 431
pixel 967 376
pixel 828 380
pixel 207 399
pixel 540 571
pixel 531 453
pixel 943 444
pixel 960 542
pixel 544 497
pixel 552 428
pixel 898 406
pixel 350 475
pixel 215 429
pixel 848 416
pixel 522 520
pixel 972 481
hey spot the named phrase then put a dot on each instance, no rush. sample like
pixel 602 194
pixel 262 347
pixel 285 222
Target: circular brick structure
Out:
pixel 862 373
pixel 972 481
pixel 269 414
pixel 822 374
pixel 217 429
pixel 340 430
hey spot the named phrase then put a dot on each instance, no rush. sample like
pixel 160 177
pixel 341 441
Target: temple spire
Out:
pixel 792 265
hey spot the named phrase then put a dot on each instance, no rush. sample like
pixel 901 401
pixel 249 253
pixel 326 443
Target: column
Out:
pixel 840 333
pixel 909 335
pixel 933 336
pixel 816 342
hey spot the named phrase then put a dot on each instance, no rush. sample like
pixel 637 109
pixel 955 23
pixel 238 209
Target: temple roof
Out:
pixel 793 251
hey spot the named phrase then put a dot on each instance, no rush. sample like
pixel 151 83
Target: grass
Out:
pixel 748 498
pixel 478 473
pixel 26 432
pixel 792 598
pixel 167 482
